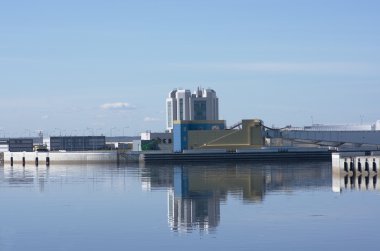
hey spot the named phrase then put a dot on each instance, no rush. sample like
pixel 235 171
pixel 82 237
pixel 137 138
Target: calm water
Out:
pixel 234 206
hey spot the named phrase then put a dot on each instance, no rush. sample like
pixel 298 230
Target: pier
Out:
pixel 355 170
pixel 48 158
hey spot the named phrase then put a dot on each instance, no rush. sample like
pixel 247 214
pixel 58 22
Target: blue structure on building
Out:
pixel 182 127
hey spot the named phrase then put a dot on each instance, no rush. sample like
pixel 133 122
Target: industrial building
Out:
pixel 21 145
pixel 162 137
pixel 204 134
pixel 77 143
pixel 348 127
pixel 343 136
pixel 181 104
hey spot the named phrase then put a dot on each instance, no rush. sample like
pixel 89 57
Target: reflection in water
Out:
pixel 194 191
pixel 45 177
pixel 26 175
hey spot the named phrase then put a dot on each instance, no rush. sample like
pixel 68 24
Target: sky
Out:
pixel 106 67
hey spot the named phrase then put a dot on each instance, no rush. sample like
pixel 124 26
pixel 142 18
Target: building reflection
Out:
pixel 195 192
pixel 42 177
pixel 19 175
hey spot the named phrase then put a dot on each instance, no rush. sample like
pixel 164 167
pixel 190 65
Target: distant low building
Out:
pixel 117 142
pixel 161 137
pixel 21 145
pixel 347 127
pixel 77 143
pixel 145 145
pixel 125 146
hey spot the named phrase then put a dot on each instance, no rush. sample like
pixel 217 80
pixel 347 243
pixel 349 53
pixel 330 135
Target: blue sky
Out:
pixel 83 67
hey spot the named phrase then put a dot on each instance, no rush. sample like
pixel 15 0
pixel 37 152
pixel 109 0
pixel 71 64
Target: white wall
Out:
pixel 62 157
pixel 377 125
pixel 4 148
pixel 136 146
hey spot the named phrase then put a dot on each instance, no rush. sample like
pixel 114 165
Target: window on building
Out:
pixel 181 108
pixel 200 110
pixel 170 114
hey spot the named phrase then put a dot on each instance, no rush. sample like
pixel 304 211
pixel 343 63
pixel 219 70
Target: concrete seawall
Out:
pixel 355 171
pixel 99 157
pixel 43 158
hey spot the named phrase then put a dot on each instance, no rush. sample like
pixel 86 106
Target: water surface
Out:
pixel 221 206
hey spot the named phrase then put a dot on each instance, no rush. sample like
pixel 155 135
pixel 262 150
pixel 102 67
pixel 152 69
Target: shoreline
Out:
pixel 121 157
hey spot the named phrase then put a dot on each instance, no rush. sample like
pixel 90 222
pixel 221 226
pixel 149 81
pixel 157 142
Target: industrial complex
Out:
pixel 194 131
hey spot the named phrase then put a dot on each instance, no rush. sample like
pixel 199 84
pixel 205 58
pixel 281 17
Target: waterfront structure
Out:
pixel 355 171
pixel 205 134
pixel 182 128
pixel 181 104
pixel 336 136
pixel 77 143
pixel 51 158
pixel 24 144
pixel 21 145
pixel 162 137
pixel 120 142
pixel 145 145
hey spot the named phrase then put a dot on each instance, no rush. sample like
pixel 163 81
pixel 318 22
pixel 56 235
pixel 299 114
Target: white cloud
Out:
pixel 117 106
pixel 45 117
pixel 150 119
